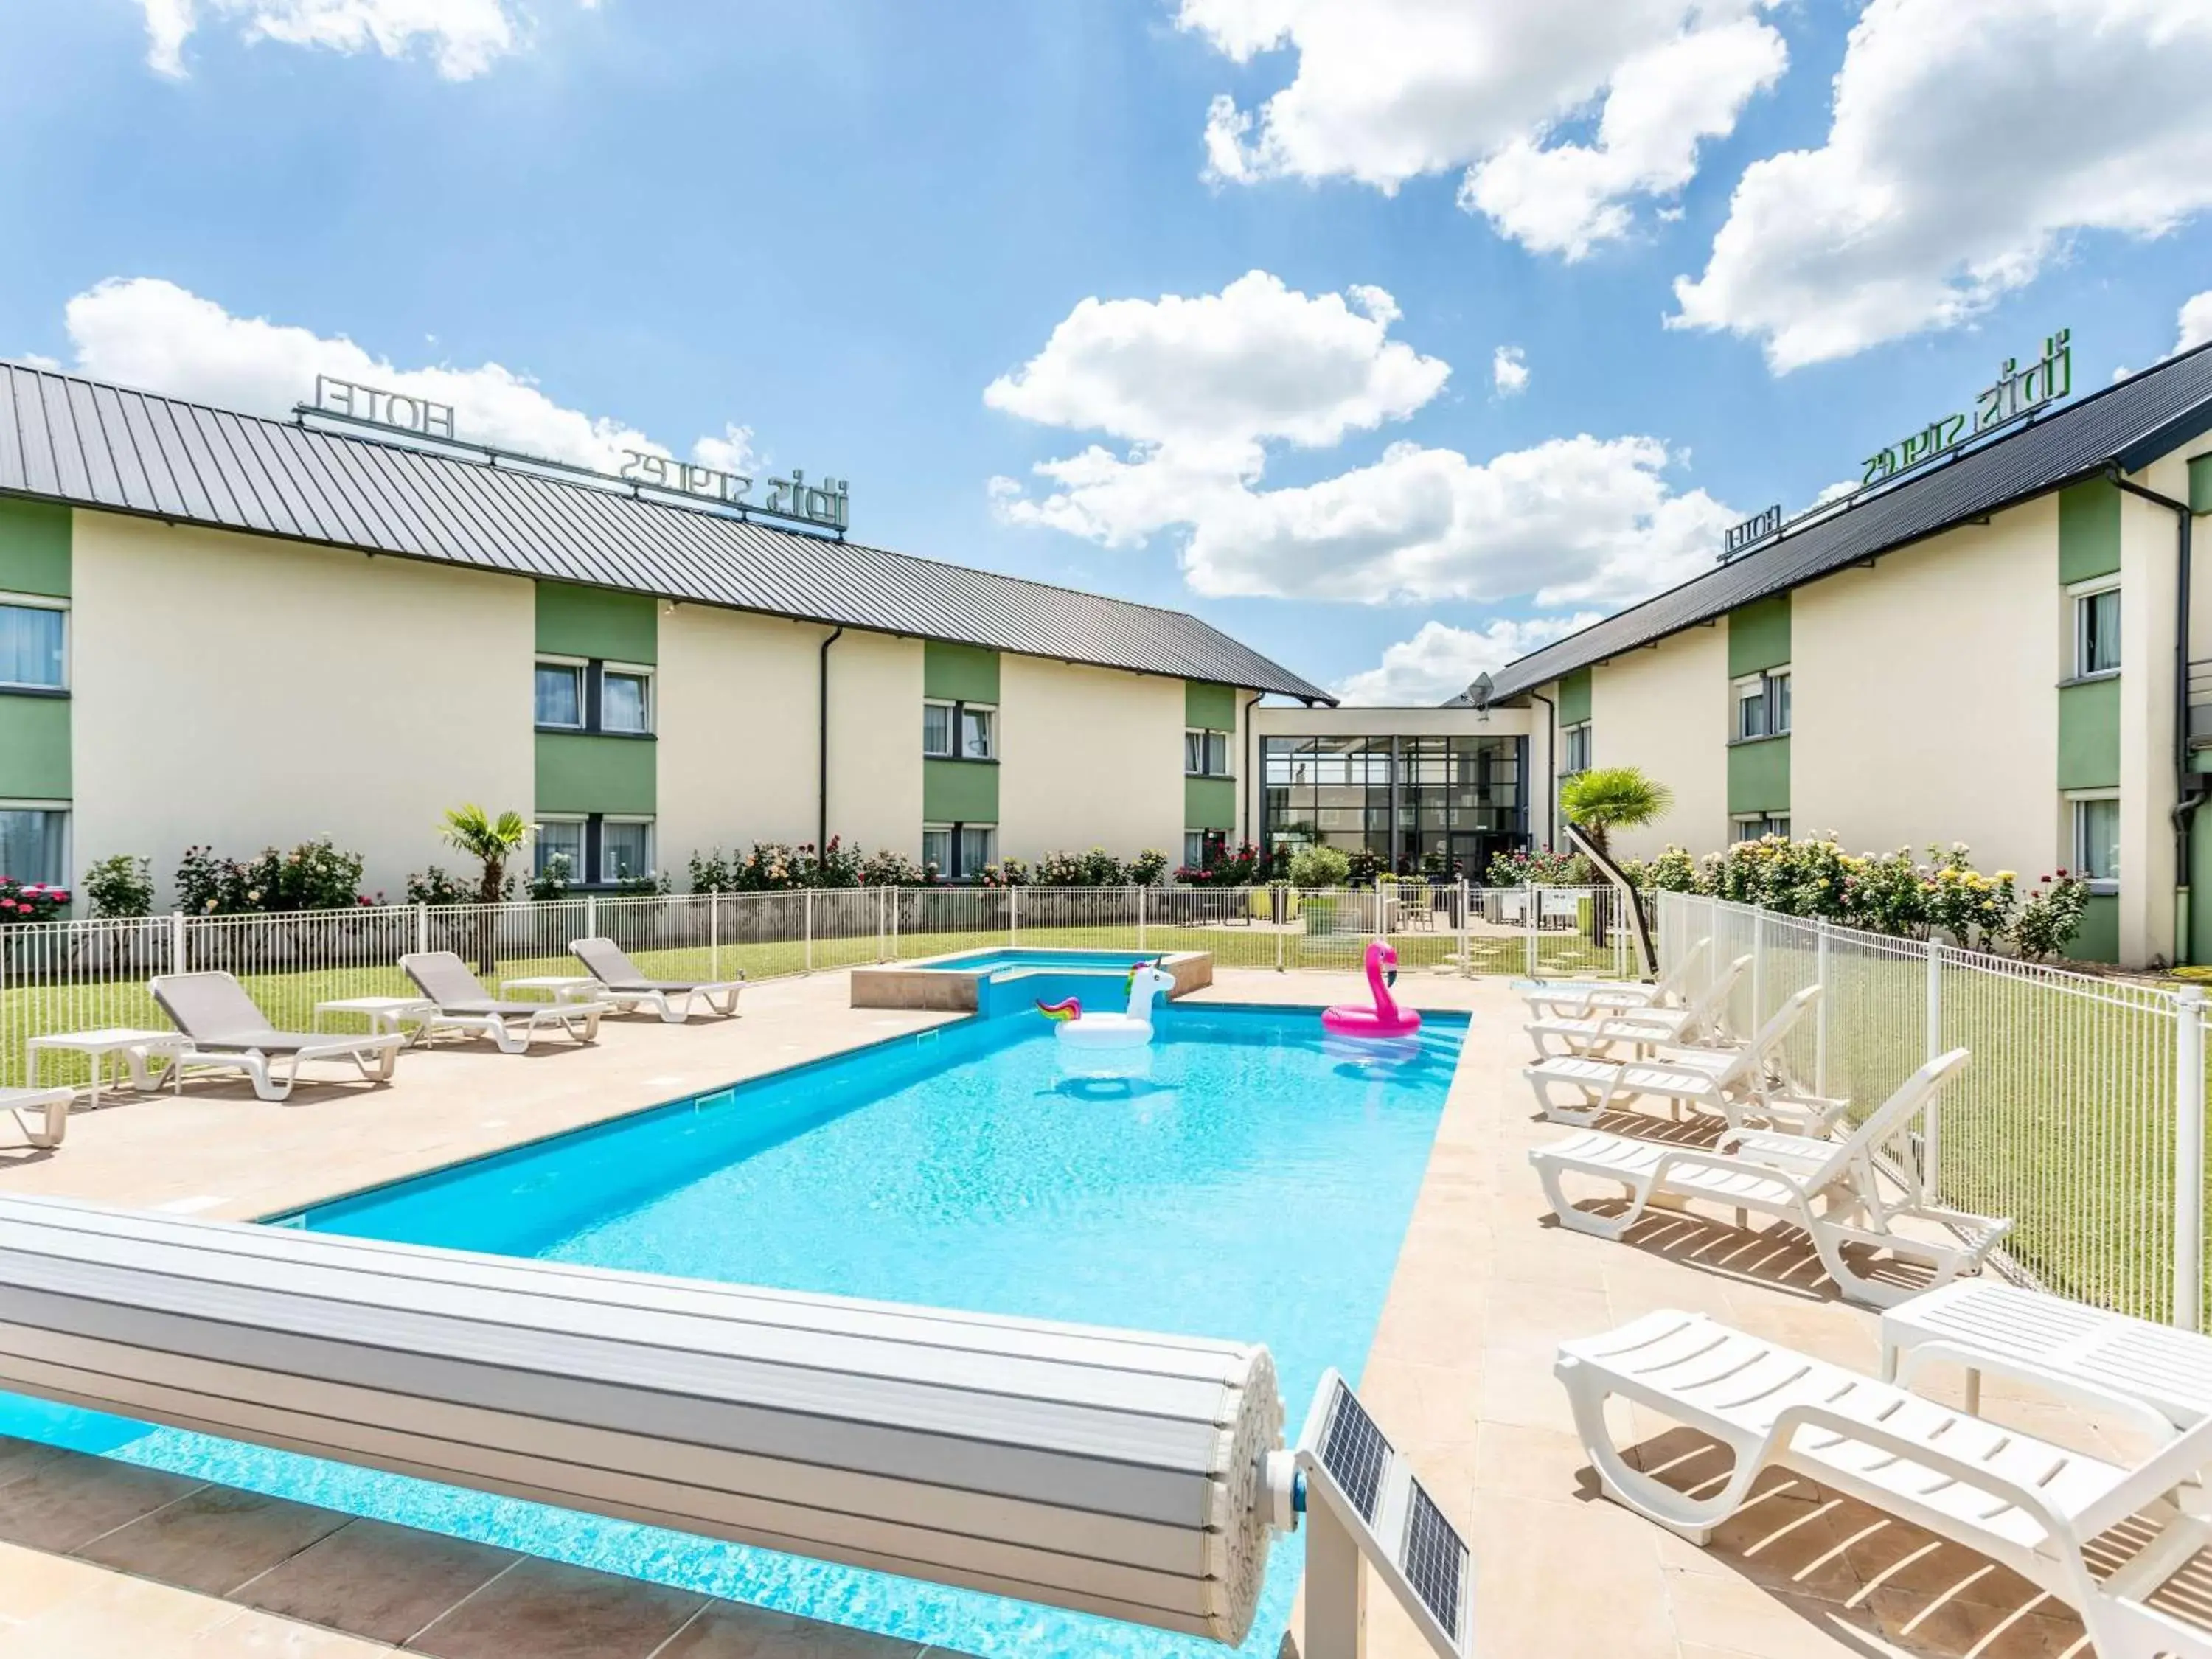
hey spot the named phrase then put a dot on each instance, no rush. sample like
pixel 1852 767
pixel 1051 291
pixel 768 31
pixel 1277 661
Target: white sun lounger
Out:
pixel 1579 998
pixel 1640 1030
pixel 42 1115
pixel 463 1005
pixel 1830 1188
pixel 623 984
pixel 1738 1084
pixel 229 1033
pixel 2025 1503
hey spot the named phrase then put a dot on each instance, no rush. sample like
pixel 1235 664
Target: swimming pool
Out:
pixel 1256 1186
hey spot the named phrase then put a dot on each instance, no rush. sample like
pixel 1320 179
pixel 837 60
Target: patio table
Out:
pixel 385 1014
pixel 133 1048
pixel 2068 1347
pixel 561 987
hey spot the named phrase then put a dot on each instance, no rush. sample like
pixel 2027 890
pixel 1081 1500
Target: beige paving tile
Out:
pixel 550 1610
pixel 126 1617
pixel 376 1580
pixel 33 1581
pixel 213 1540
pixel 263 1636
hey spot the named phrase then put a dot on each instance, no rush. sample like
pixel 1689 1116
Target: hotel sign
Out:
pixel 2018 392
pixel 828 503
pixel 373 406
pixel 1756 528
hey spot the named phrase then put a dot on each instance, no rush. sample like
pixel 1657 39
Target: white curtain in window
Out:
pixel 31 844
pixel 622 703
pixel 30 646
pixel 937 849
pixel 562 841
pixel 976 849
pixel 936 729
pixel 625 849
pixel 557 701
pixel 975 733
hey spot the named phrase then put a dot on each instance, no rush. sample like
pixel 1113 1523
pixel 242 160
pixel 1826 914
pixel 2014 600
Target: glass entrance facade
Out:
pixel 1443 806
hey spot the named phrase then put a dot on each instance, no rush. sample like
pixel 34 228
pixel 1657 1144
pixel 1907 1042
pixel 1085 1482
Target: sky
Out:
pixel 1395 337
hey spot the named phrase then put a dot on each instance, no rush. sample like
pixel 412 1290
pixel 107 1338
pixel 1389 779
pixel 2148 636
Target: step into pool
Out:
pixel 1256 1185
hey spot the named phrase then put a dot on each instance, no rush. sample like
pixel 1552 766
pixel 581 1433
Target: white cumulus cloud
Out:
pixel 145 332
pixel 1388 91
pixel 1969 141
pixel 2195 321
pixel 1509 370
pixel 464 38
pixel 1196 391
pixel 1441 661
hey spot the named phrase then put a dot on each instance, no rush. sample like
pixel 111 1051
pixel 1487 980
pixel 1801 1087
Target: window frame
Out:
pixel 962 709
pixel 953 867
pixel 1758 824
pixel 951 752
pixel 2082 596
pixel 1771 689
pixel 604 878
pixel 578 876
pixel 580 668
pixel 960 834
pixel 945 865
pixel 65 852
pixel 642 671
pixel 2077 837
pixel 61 607
pixel 1209 738
pixel 1570 739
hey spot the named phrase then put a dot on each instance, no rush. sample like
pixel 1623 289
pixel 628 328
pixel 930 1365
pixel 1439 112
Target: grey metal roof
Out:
pixel 66 439
pixel 2131 424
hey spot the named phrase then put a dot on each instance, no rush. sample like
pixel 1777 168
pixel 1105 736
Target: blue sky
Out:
pixel 838 225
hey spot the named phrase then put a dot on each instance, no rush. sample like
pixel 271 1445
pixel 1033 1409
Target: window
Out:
pixel 937 849
pixel 960 852
pixel 975 732
pixel 1752 825
pixel 1575 749
pixel 937 728
pixel 560 695
pixel 625 849
pixel 31 844
pixel 2097 840
pixel 1762 706
pixel 2097 633
pixel 561 838
pixel 979 849
pixel 31 646
pixel 625 701
pixel 1206 754
pixel 1203 847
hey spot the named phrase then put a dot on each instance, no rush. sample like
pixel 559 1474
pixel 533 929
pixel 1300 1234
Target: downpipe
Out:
pixel 822 778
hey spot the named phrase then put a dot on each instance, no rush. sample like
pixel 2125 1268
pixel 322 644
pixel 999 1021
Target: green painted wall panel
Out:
pixel 2099 938
pixel 1209 707
pixel 593 621
pixel 34 748
pixel 959 792
pixel 34 548
pixel 1209 803
pixel 2088 531
pixel 2200 484
pixel 1758 636
pixel 2089 735
pixel 1759 776
pixel 959 673
pixel 578 773
pixel 1575 697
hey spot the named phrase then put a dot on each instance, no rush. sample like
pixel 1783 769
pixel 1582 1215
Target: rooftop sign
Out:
pixel 2018 392
pixel 373 406
pixel 1756 528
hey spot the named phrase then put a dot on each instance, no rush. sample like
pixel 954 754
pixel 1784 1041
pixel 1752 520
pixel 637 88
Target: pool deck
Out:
pixel 98 1559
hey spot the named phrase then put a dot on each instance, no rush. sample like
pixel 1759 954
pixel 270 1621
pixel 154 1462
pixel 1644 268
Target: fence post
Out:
pixel 177 962
pixel 1528 922
pixel 807 907
pixel 422 928
pixel 2189 1158
pixel 1013 918
pixel 1931 1146
pixel 591 915
pixel 1282 925
pixel 1821 1008
pixel 713 933
pixel 1140 918
pixel 1758 970
pixel 1466 949
pixel 895 893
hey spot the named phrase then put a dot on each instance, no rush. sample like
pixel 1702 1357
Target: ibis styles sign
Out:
pixel 2016 393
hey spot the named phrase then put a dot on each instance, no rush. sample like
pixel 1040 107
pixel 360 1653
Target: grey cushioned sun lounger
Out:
pixel 229 1033
pixel 623 985
pixel 465 1004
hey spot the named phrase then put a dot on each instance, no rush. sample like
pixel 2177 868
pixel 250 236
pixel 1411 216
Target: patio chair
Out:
pixel 463 1005
pixel 1585 999
pixel 229 1033
pixel 623 984
pixel 1829 1189
pixel 1738 1084
pixel 1701 1023
pixel 2023 1501
pixel 51 1110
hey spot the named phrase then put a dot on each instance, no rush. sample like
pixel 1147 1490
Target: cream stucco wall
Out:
pixel 1925 699
pixel 241 692
pixel 2149 558
pixel 875 740
pixel 738 728
pixel 1089 757
pixel 1665 709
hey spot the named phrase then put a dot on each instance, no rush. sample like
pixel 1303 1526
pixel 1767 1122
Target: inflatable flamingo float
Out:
pixel 1386 1018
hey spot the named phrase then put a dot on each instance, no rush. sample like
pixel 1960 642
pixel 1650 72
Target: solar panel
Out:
pixel 1354 1450
pixel 1434 1559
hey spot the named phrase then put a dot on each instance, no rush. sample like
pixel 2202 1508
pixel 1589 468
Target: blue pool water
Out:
pixel 1256 1186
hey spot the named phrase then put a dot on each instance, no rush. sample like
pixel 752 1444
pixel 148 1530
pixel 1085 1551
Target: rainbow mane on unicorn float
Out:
pixel 1072 1008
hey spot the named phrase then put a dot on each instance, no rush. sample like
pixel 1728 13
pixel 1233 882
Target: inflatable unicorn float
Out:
pixel 1385 1018
pixel 1131 1030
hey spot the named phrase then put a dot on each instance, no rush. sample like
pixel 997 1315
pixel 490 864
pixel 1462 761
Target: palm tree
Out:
pixel 490 840
pixel 1607 798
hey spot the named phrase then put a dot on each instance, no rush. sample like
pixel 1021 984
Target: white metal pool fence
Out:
pixel 2081 1115
pixel 77 975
